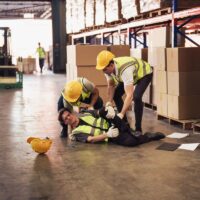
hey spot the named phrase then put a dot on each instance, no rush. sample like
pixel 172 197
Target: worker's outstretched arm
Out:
pixel 111 90
pixel 111 133
pixel 129 89
pixel 98 138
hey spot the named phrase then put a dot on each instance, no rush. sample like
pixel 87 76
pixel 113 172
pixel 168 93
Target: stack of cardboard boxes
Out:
pixel 177 89
pixel 183 72
pixel 29 65
pixel 81 62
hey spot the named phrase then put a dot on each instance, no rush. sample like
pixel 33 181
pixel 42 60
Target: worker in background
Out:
pixel 87 127
pixel 122 74
pixel 41 54
pixel 76 92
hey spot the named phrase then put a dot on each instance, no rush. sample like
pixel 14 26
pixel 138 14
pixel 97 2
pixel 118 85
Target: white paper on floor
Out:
pixel 190 146
pixel 178 135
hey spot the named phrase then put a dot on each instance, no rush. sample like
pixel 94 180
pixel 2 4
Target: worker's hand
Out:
pixel 112 132
pixel 108 103
pixel 120 115
pixel 110 112
pixel 90 108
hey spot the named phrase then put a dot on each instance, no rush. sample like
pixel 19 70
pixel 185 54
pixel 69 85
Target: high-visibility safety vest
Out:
pixel 84 95
pixel 142 68
pixel 41 52
pixel 94 126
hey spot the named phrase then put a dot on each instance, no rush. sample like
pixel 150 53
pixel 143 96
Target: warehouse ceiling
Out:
pixel 25 9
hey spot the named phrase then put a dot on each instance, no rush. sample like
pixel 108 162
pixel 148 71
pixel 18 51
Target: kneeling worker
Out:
pixel 122 74
pixel 76 92
pixel 88 127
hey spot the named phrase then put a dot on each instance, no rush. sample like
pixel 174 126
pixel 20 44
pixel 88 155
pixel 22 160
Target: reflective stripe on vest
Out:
pixel 94 126
pixel 142 68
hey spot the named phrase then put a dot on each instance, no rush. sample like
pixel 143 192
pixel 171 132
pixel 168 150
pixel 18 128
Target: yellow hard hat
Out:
pixel 40 145
pixel 72 91
pixel 103 59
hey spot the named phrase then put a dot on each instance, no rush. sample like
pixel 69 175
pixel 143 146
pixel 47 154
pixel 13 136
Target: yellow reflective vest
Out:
pixel 41 52
pixel 142 68
pixel 92 126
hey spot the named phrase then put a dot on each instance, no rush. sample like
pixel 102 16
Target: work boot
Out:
pixel 137 133
pixel 64 133
pixel 155 136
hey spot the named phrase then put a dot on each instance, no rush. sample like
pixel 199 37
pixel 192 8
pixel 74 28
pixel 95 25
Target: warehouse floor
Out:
pixel 85 171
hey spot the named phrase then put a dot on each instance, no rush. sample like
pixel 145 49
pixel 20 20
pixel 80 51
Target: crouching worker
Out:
pixel 77 92
pixel 107 126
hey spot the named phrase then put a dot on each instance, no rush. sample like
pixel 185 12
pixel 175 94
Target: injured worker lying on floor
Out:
pixel 103 125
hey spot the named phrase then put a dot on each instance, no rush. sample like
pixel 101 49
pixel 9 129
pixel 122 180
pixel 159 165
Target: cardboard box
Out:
pixel 93 75
pixel 71 72
pixel 159 37
pixel 162 104
pixel 120 50
pixel 83 55
pixel 184 107
pixel 154 76
pixel 147 95
pixel 161 81
pixel 183 59
pixel 154 96
pixel 103 93
pixel 183 83
pixel 157 58
pixel 29 65
pixel 139 53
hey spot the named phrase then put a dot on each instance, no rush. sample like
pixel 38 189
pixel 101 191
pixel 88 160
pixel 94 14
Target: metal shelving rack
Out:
pixel 174 18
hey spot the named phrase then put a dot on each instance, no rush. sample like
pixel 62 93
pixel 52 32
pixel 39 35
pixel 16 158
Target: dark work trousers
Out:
pixel 41 63
pixel 140 88
pixel 97 105
pixel 126 137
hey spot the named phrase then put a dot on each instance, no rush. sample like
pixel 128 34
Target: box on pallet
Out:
pixel 183 83
pixel 120 50
pixel 90 72
pixel 139 53
pixel 83 54
pixel 183 59
pixel 184 107
pixel 162 104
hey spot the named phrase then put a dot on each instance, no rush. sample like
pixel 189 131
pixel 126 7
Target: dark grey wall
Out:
pixel 59 35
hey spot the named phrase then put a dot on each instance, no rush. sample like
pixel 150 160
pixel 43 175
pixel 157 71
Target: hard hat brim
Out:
pixel 69 99
pixel 99 67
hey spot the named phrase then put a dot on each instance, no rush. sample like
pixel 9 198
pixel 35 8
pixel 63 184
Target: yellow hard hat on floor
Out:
pixel 40 145
pixel 72 91
pixel 103 59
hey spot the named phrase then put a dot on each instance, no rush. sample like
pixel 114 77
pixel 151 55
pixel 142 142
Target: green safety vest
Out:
pixel 41 52
pixel 94 126
pixel 142 68
pixel 84 95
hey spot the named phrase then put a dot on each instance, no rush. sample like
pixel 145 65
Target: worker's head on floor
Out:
pixel 68 118
pixel 72 91
pixel 105 61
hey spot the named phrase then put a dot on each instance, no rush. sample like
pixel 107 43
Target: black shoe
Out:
pixel 137 133
pixel 155 136
pixel 64 133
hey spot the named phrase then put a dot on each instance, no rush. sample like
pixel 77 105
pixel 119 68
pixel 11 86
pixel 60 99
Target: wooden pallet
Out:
pixel 185 124
pixel 150 106
pixel 196 127
pixel 159 12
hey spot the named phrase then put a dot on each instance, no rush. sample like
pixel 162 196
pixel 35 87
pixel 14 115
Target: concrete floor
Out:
pixel 83 171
